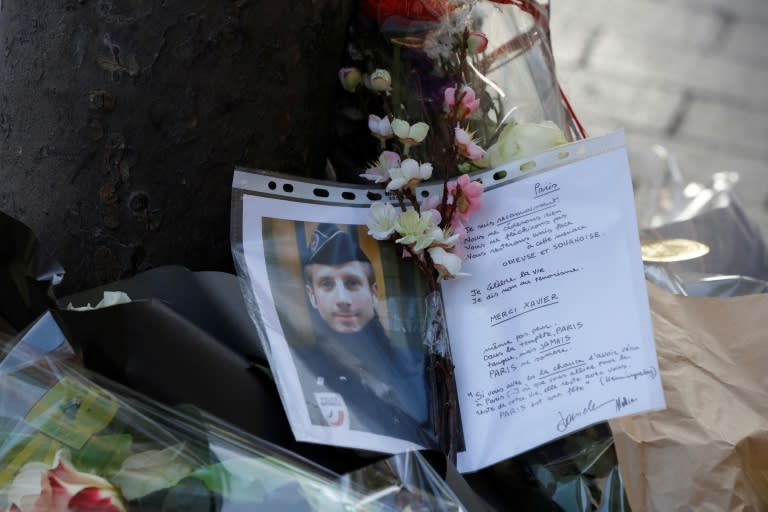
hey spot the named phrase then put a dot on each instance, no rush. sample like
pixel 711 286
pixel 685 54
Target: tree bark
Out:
pixel 121 121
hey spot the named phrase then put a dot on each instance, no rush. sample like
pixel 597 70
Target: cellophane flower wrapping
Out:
pixel 437 89
pixel 70 439
pixel 500 49
pixel 405 481
pixel 718 250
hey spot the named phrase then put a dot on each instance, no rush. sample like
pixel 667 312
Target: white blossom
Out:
pixel 409 174
pixel 381 220
pixel 380 127
pixel 410 135
pixel 447 263
pixel 380 81
pixel 416 230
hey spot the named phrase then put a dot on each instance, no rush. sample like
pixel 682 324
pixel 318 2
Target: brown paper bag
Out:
pixel 708 451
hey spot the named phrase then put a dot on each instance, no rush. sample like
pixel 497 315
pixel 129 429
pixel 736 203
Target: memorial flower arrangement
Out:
pixel 425 76
pixel 83 445
pixel 431 76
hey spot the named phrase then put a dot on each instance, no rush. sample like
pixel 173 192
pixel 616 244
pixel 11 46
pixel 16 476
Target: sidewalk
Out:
pixel 690 75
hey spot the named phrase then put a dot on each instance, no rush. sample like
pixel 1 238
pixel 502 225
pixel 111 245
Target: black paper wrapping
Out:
pixel 210 300
pixel 27 272
pixel 149 347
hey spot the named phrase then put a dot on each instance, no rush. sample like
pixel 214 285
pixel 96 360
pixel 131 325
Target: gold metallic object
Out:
pixel 672 249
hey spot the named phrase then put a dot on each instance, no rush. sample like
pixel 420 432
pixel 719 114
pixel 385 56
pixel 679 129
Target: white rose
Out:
pixel 525 139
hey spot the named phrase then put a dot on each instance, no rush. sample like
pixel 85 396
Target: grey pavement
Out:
pixel 690 75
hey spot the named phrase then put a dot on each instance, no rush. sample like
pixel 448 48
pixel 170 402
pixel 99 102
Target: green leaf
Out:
pixel 19 449
pixel 103 455
pixel 236 479
pixel 254 480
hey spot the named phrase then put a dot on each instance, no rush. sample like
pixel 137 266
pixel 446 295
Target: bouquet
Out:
pixel 474 75
pixel 442 89
pixel 70 440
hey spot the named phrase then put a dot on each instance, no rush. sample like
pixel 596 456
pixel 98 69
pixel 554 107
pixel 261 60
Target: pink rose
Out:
pixel 62 489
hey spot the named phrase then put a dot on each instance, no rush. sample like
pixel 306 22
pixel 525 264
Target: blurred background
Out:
pixel 690 75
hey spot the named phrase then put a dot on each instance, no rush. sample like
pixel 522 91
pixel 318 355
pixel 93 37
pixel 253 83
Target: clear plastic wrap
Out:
pixel 405 481
pixel 507 62
pixel 580 472
pixel 698 240
pixel 577 473
pixel 72 439
pixel 108 447
pixel 6 331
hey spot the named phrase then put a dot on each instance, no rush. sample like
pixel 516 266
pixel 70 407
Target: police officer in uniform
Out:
pixel 353 376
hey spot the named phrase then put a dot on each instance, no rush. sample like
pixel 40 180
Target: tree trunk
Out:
pixel 121 121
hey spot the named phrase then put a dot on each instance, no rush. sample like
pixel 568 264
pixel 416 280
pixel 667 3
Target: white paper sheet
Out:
pixel 551 333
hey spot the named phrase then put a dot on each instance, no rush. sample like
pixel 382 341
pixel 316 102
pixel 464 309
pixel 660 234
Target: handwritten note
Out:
pixel 552 331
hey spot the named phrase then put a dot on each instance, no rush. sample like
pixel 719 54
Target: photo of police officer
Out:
pixel 353 376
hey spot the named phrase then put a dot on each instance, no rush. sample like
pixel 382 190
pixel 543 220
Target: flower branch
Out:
pixel 432 107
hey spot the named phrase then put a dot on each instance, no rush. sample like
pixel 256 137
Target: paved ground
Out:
pixel 691 75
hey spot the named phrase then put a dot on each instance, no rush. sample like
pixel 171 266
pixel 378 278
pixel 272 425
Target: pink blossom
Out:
pixel 432 205
pixel 459 250
pixel 469 102
pixel 477 42
pixel 467 196
pixel 379 173
pixel 458 227
pixel 466 146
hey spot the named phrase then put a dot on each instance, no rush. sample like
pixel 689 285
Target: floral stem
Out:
pixel 385 105
pixel 450 163
pixel 450 211
pixel 463 68
pixel 362 101
pixel 400 199
pixel 445 412
pixel 413 200
pixel 396 79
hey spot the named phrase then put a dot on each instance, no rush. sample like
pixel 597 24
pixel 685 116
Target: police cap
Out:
pixel 333 246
